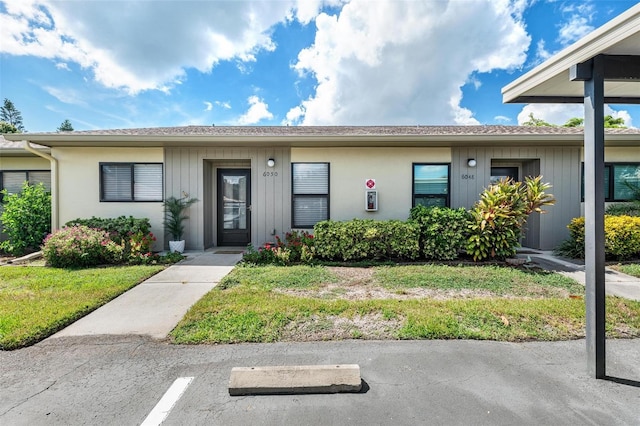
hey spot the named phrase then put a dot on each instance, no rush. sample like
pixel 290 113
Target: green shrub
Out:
pixel 80 246
pixel 26 219
pixel 443 231
pixel 118 228
pixel 500 215
pixel 360 239
pixel 132 233
pixel 621 233
pixel 624 209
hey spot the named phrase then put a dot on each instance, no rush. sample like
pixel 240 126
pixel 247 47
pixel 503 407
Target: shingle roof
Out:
pixel 15 145
pixel 310 131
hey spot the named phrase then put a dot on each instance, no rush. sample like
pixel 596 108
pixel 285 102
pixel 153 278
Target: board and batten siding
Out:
pixel 559 166
pixel 192 170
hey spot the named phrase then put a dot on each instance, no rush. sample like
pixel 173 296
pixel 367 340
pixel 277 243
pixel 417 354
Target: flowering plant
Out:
pixel 296 247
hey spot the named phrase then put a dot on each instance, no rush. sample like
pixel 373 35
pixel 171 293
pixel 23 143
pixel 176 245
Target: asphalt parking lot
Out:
pixel 120 379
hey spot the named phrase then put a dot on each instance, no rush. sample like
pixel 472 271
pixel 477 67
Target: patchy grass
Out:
pixel 267 304
pixel 35 302
pixel 628 268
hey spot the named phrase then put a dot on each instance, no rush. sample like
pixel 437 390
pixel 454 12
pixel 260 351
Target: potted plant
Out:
pixel 174 209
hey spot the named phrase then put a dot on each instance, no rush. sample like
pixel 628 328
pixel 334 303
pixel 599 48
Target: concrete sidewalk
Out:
pixel 616 283
pixel 154 307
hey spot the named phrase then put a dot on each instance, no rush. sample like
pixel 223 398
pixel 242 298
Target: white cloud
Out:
pixel 369 74
pixel 579 22
pixel 542 54
pixel 502 118
pixel 559 114
pixel 67 95
pixel 225 105
pixel 258 111
pixel 628 121
pixel 140 45
pixel 573 30
pixel 208 106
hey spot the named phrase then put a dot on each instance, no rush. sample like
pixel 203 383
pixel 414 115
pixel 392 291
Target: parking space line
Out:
pixel 168 400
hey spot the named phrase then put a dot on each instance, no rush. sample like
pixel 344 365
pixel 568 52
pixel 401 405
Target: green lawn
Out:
pixel 36 301
pixel 267 304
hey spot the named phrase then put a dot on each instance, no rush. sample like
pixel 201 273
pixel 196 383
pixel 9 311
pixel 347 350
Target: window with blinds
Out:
pixel 310 194
pixel 131 182
pixel 12 181
pixel 431 185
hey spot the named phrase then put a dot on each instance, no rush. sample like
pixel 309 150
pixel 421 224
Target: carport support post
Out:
pixel 594 217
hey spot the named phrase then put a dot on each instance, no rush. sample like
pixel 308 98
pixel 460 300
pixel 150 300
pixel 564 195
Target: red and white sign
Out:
pixel 370 183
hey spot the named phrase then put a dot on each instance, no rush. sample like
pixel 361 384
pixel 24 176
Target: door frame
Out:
pixel 236 238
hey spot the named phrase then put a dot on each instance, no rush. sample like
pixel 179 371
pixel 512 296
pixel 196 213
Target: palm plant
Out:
pixel 174 209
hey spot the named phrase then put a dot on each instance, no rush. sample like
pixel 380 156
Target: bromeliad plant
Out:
pixel 500 215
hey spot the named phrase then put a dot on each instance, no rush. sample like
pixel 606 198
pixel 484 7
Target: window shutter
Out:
pixel 116 182
pixel 147 182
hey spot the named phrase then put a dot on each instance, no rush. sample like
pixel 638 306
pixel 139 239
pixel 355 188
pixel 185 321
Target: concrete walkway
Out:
pixel 616 283
pixel 155 307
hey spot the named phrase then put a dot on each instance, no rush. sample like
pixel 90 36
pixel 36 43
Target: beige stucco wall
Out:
pixel 24 163
pixel 618 154
pixel 351 167
pixel 79 185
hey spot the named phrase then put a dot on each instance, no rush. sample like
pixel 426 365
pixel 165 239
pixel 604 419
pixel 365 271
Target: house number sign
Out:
pixel 270 174
pixel 468 177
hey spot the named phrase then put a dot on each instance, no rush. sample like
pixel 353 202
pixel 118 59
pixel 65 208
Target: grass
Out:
pixel 35 301
pixel 629 269
pixel 258 304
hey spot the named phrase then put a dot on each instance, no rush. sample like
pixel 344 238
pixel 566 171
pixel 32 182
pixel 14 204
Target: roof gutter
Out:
pixel 54 182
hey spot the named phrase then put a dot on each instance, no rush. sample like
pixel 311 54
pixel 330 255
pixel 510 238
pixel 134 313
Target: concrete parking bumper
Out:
pixel 295 379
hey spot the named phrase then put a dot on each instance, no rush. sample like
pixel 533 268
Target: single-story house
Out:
pixel 254 183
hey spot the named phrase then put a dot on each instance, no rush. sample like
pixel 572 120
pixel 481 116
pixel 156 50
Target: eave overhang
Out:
pixel 326 141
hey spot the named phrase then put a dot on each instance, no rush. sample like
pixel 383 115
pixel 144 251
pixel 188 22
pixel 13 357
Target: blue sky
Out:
pixel 122 64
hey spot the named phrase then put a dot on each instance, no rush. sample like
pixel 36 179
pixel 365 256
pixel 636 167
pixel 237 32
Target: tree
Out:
pixel 7 128
pixel 65 126
pixel 537 122
pixel 611 122
pixel 574 122
pixel 9 114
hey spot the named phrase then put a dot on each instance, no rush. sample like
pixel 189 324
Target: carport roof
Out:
pixel 549 82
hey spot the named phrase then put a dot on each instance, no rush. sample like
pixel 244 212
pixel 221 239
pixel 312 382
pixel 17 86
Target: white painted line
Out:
pixel 166 403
